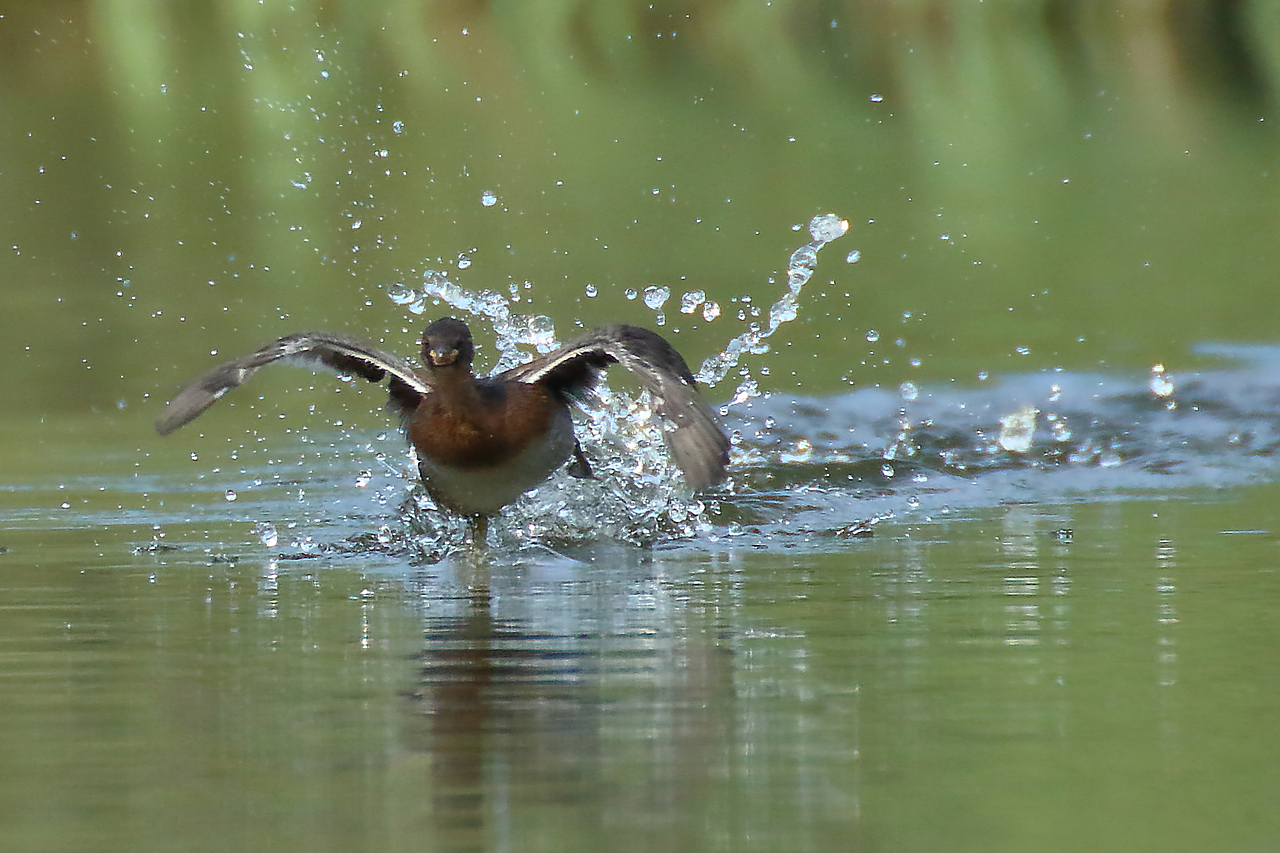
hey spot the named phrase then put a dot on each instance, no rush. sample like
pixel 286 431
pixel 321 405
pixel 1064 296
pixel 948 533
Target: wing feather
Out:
pixel 309 349
pixel 695 440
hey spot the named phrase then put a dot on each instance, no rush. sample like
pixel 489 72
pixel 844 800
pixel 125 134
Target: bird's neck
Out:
pixel 456 384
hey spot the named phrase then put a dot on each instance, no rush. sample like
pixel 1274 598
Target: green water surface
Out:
pixel 1034 188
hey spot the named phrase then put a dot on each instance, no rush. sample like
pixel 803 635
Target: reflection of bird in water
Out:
pixel 499 706
pixel 576 710
pixel 482 442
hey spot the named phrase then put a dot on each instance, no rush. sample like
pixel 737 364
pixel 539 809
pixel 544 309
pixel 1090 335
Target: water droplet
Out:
pixel 195 457
pixel 876 98
pixel 908 390
pixel 872 336
pixel 710 311
pixel 230 495
pixel 630 293
pixel 746 389
pixel 1161 382
pixel 363 479
pixel 266 533
pixel 886 471
pixel 397 127
pixel 540 331
pixel 591 291
pixel 464 260
pixel 783 311
pixel 488 198
pixel 400 294
pixel 690 301
pixel 656 296
pixel 852 257
pixel 826 227
pixel 803 258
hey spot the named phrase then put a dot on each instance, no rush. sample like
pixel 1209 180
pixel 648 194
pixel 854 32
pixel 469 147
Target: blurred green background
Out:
pixel 1030 185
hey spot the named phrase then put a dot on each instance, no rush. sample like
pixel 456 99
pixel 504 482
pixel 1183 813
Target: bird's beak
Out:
pixel 443 358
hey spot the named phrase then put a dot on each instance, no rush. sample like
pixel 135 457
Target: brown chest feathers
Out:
pixel 480 424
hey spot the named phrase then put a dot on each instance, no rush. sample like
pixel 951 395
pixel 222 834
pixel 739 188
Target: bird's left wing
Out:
pixel 696 441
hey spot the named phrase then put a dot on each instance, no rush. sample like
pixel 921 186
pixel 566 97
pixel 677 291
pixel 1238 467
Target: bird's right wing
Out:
pixel 308 349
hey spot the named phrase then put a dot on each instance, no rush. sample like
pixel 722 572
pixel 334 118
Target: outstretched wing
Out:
pixel 695 440
pixel 309 349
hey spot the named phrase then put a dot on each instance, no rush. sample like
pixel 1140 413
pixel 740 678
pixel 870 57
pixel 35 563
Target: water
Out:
pixel 1051 438
pixel 709 697
pixel 908 620
pixel 996 564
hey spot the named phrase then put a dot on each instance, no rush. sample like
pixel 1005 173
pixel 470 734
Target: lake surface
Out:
pixel 984 681
pixel 997 562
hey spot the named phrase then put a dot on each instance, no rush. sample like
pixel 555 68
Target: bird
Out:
pixel 481 442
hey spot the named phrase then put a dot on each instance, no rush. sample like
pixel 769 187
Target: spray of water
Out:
pixel 823 229
pixel 636 495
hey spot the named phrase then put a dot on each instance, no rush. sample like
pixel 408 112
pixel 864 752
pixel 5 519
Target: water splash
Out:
pixel 636 494
pixel 266 533
pixel 1017 430
pixel 1162 386
pixel 513 330
pixel 823 229
pixel 1054 438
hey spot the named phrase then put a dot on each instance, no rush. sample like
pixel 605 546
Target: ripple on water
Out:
pixel 1048 437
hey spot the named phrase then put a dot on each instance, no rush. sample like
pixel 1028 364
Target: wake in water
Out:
pixel 826 465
